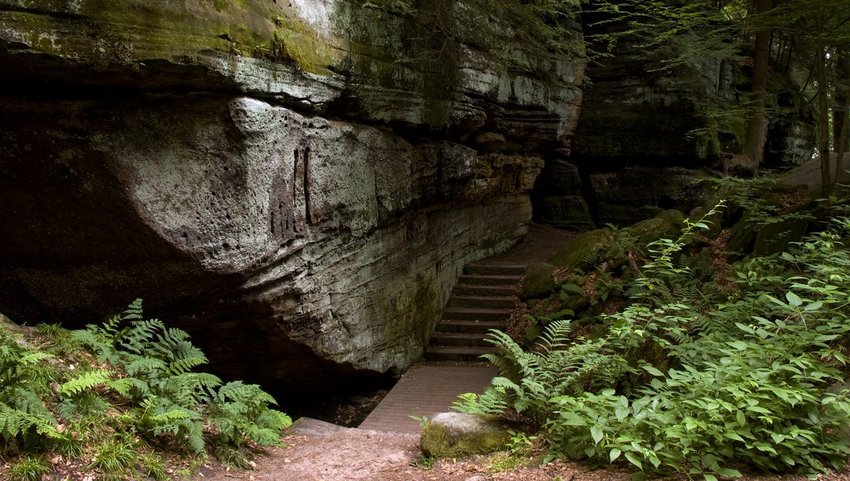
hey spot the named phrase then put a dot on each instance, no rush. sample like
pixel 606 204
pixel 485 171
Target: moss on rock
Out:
pixel 665 224
pixel 538 282
pixel 583 250
pixel 133 30
pixel 455 435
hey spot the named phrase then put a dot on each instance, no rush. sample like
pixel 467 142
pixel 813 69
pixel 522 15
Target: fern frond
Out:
pixel 133 312
pixel 141 332
pixel 129 387
pixel 190 358
pixel 555 336
pixel 145 365
pixel 85 381
pixel 34 358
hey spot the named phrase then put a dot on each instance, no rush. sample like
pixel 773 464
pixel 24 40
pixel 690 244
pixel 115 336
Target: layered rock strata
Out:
pixel 287 181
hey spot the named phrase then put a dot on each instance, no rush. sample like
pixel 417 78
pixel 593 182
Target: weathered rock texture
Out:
pixel 287 181
pixel 640 112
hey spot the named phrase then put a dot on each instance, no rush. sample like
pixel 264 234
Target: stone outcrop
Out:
pixel 294 183
pixel 643 112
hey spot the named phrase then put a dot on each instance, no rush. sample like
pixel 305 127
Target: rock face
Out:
pixel 290 183
pixel 645 120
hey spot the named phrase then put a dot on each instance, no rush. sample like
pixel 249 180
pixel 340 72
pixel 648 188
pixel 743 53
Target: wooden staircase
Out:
pixel 483 299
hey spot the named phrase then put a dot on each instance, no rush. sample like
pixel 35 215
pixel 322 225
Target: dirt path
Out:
pixel 541 242
pixel 318 451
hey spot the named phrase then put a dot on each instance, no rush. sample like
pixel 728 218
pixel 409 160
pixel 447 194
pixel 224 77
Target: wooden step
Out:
pixel 459 339
pixel 489 280
pixel 496 269
pixel 457 353
pixel 487 302
pixel 478 290
pixel 475 314
pixel 480 327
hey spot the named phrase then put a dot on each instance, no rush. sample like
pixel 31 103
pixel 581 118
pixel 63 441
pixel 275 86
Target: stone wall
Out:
pixel 288 181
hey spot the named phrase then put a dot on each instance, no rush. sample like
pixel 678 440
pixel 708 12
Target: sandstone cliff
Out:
pixel 298 184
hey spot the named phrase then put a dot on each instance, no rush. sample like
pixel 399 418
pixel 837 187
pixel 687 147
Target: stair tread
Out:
pixel 478 289
pixel 489 298
pixel 460 349
pixel 471 323
pixel 475 310
pixel 496 264
pixel 460 335
pixel 491 276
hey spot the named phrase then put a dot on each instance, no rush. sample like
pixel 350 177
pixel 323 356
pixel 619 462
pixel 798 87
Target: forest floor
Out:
pixel 316 451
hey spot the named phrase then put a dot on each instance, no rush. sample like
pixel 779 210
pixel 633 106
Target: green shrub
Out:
pixel 117 385
pixel 693 379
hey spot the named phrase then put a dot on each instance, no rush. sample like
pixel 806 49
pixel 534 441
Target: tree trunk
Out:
pixel 842 98
pixel 757 124
pixel 842 149
pixel 841 140
pixel 823 118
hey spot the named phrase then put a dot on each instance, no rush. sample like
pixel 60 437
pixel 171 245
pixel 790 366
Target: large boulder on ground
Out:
pixel 582 251
pixel 666 224
pixel 454 435
pixel 588 249
pixel 538 281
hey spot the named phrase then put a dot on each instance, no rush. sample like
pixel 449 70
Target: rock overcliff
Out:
pixel 298 184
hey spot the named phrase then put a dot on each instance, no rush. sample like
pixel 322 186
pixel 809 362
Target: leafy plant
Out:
pixel 102 392
pixel 29 468
pixel 697 380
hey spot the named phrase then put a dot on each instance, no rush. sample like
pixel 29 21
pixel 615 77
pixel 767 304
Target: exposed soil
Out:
pixel 317 451
pixel 541 243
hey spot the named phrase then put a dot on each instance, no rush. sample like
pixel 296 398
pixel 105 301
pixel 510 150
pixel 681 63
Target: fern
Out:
pixel 238 412
pixel 138 338
pixel 146 383
pixel 85 381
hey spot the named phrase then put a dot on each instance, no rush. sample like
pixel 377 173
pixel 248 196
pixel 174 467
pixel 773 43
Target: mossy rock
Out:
pixel 673 216
pixel 774 238
pixel 455 435
pixel 665 224
pixel 538 282
pixel 582 251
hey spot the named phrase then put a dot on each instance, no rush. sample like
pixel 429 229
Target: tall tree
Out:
pixel 757 122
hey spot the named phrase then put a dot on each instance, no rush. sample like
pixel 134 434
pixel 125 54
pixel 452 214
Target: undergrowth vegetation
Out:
pixel 705 377
pixel 116 399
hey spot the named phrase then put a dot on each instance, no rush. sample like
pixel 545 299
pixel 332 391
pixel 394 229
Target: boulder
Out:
pixel 666 224
pixel 582 251
pixel 455 435
pixel 538 282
